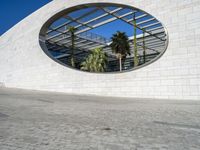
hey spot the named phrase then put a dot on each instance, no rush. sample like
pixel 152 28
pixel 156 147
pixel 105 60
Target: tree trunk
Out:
pixel 123 62
pixel 120 64
pixel 72 59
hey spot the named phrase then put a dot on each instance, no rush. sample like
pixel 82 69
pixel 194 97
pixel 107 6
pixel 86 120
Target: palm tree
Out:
pixel 136 62
pixel 95 62
pixel 120 46
pixel 72 30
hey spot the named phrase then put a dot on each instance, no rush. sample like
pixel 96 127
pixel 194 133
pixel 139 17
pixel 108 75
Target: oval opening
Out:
pixel 103 37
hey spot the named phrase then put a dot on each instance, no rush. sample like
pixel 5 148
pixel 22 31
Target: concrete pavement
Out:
pixel 32 120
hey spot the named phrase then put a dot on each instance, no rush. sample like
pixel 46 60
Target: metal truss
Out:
pixel 58 38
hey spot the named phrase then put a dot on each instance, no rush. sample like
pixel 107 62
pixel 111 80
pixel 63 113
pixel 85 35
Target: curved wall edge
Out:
pixel 176 75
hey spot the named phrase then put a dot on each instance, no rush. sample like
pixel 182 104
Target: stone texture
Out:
pixel 175 75
pixel 31 120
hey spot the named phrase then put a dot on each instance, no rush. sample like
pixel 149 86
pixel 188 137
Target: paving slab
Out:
pixel 33 120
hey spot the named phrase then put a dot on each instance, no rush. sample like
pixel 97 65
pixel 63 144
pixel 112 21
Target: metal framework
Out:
pixel 58 38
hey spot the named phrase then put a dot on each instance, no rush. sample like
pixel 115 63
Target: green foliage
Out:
pixel 95 62
pixel 120 46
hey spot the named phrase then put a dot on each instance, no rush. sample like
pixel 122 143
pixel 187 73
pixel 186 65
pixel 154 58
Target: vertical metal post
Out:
pixel 135 41
pixel 144 48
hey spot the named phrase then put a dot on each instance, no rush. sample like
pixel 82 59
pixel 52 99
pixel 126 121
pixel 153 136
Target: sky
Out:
pixel 13 11
pixel 107 30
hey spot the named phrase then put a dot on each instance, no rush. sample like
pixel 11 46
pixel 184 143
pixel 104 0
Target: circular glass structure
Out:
pixel 103 37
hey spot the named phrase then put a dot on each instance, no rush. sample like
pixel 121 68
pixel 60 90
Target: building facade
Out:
pixel 176 75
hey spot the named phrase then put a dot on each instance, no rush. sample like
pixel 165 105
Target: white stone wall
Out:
pixel 176 75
